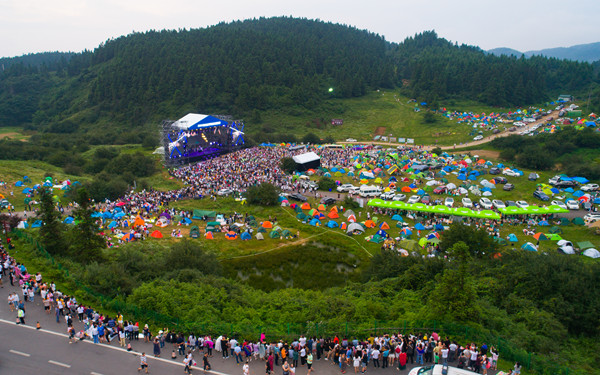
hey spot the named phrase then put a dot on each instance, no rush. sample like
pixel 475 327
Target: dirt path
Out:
pixel 551 117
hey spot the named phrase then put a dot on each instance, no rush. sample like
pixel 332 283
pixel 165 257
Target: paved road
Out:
pixel 551 117
pixel 25 350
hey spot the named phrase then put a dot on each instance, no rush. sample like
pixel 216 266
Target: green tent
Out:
pixel 555 229
pixel 277 228
pixel 262 230
pixel 253 223
pixel 210 228
pixel 564 221
pixel 286 233
pixel 578 221
pixel 501 241
pixel 213 224
pixel 585 245
pixel 274 234
pixel 199 214
pixel 298 208
pixel 195 231
pixel 177 218
pixel 301 216
pixel 408 244
pixel 376 238
pixel 250 218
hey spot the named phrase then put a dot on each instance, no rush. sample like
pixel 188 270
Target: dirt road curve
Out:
pixel 551 117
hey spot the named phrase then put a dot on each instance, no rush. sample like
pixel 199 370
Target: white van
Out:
pixel 369 191
pixel 440 370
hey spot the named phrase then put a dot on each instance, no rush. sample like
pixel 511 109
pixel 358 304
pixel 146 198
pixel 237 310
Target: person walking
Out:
pixel 143 363
pixel 20 316
pixel 206 365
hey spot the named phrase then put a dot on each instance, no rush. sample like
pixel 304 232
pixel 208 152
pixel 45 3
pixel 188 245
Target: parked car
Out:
pixel 510 204
pixel 350 140
pixel 495 170
pixel 478 138
pixel 449 202
pixel 559 204
pixel 500 180
pixel 413 199
pixel 508 187
pixel 533 176
pixel 565 184
pixel 439 370
pixel 498 204
pixel 328 200
pixel 440 190
pixel 298 197
pixel 540 195
pixel 572 204
pixel 510 172
pixel 399 197
pixel 224 192
pixel 522 204
pixel 485 203
pixel 387 196
pixel 344 188
pixel 466 202
pixel 591 218
pixel 426 199
pixel 590 187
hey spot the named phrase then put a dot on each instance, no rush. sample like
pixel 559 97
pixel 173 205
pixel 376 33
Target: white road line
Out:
pixel 20 353
pixel 59 364
pixel 108 347
pixel 95 373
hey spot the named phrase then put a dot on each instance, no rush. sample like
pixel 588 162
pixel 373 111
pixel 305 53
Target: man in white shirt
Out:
pixel 246 369
pixel 375 355
pixel 445 355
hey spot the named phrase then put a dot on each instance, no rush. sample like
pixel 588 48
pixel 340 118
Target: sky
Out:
pixel 29 26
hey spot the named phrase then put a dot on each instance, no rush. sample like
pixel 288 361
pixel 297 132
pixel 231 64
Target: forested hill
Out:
pixel 254 65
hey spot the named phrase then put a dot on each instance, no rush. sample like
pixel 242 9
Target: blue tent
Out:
pixel 342 170
pixel 118 215
pixel 107 215
pixel 447 168
pixel 513 238
pixel 421 192
pixel 412 186
pixel 282 198
pixel 186 221
pixel 474 173
pixel 382 233
pixel 500 165
pixel 462 177
pixel 36 224
pixel 27 191
pixel 439 227
pixel 419 226
pixel 578 194
pixel 113 224
pixel 597 201
pixel 37 186
pixel 399 218
pixel 393 179
pixel 332 224
pixel 528 246
pixel 581 180
pixel 555 190
pixel 569 190
pixel 543 223
pixel 96 214
pixel 334 169
pixel 472 177
pixel 246 236
pixel 486 189
pixel 69 220
pixel 590 123
pixel 19 183
pixel 315 222
pixel 118 209
pixel 47 184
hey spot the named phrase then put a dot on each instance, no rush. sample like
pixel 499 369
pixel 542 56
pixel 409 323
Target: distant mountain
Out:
pixel 581 52
pixel 50 59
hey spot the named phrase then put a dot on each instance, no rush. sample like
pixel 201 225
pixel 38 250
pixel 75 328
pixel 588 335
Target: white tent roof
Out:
pixel 197 121
pixel 306 158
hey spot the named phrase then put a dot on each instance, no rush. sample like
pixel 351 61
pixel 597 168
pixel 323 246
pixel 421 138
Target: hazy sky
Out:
pixel 73 25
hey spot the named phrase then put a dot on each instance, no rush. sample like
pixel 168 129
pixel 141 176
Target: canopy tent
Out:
pixel 193 121
pixel 585 245
pixel 532 210
pixel 201 214
pixel 419 207
pixel 307 161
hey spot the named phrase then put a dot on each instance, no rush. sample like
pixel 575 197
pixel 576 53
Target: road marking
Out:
pixel 95 373
pixel 20 353
pixel 108 347
pixel 59 364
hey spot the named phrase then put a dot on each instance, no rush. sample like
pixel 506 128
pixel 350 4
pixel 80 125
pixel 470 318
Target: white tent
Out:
pixel 355 227
pixel 193 121
pixel 592 253
pixel 567 250
pixel 259 236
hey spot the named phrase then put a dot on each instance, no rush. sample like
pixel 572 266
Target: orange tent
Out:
pixel 209 235
pixel 305 206
pixel 369 224
pixel 267 225
pixel 321 207
pixel 343 226
pixel 156 234
pixel 138 221
pixel 384 226
pixel 334 208
pixel 333 215
pixel 352 219
pixel 406 189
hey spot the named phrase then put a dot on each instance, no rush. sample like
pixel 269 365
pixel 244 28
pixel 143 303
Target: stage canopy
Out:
pixel 307 161
pixel 193 121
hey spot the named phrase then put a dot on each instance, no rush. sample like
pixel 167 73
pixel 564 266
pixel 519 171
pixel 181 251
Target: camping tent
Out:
pixel 259 236
pixel 592 253
pixel 157 234
pixel 355 227
pixel 209 235
pixel 274 234
pixel 529 246
pixel 246 236
pixel 195 231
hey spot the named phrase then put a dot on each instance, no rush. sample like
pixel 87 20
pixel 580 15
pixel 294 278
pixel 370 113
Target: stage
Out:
pixel 197 137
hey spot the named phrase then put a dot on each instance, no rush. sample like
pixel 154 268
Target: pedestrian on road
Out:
pixel 143 363
pixel 246 368
pixel 156 344
pixel 206 364
pixel 21 316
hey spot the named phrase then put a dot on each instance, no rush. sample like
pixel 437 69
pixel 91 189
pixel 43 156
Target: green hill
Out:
pixel 251 67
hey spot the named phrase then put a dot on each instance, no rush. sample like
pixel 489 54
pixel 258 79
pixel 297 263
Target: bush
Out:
pixel 326 183
pixel 288 165
pixel 265 194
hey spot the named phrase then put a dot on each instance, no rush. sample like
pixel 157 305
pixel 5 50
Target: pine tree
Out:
pixel 86 243
pixel 52 230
